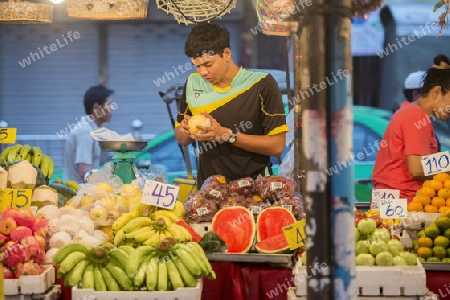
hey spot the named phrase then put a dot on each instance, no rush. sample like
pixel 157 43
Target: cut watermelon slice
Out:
pixel 235 225
pixel 276 244
pixel 270 222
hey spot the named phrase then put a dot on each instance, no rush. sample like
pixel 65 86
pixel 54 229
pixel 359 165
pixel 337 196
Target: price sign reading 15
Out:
pixel 382 194
pixel 393 208
pixel 8 135
pixel 435 163
pixel 160 194
pixel 15 198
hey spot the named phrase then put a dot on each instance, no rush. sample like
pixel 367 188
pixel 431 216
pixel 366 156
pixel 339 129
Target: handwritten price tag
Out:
pixel 393 208
pixel 435 163
pixel 381 194
pixel 295 234
pixel 160 194
pixel 15 198
pixel 8 135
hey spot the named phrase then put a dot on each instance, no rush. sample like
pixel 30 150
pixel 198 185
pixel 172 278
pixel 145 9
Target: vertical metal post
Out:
pixel 103 53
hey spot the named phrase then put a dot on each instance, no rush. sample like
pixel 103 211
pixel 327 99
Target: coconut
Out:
pixel 101 236
pixel 22 175
pixel 69 224
pixel 48 212
pixel 44 195
pixel 3 178
pixel 53 226
pixel 86 224
pixel 60 239
pixel 198 120
pixel 49 255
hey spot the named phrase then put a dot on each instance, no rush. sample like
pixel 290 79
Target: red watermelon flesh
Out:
pixel 236 227
pixel 275 244
pixel 270 222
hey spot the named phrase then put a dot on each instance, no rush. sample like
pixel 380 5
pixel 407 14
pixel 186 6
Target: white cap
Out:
pixel 414 80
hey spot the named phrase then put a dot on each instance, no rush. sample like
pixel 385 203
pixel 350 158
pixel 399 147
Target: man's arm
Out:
pixel 82 169
pixel 272 145
pixel 182 135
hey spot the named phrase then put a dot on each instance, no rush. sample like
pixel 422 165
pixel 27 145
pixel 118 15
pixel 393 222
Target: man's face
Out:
pixel 103 112
pixel 212 67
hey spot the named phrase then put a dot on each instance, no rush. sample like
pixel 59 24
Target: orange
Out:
pixel 438 201
pixel 415 206
pixel 425 242
pixel 444 209
pixel 424 252
pixel 436 185
pixel 430 209
pixel 447 202
pixel 444 193
pixel 424 200
pixel 447 184
pixel 426 183
pixel 426 191
pixel 441 177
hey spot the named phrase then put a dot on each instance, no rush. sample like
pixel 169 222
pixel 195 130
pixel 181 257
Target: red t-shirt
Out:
pixel 409 132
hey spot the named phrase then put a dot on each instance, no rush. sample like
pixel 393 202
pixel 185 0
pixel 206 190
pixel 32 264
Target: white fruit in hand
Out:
pixel 198 120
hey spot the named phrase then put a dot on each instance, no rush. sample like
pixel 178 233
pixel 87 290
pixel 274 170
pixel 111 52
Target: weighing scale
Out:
pixel 122 159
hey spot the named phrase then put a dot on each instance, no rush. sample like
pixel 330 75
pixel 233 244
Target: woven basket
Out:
pixel 279 28
pixel 13 12
pixel 107 9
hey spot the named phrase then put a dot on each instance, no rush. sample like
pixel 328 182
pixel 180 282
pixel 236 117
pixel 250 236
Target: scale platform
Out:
pixel 117 145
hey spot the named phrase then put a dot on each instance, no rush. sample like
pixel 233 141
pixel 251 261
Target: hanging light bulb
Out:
pixel 57 1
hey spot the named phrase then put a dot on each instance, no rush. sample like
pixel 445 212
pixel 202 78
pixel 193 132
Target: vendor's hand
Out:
pixel 215 132
pixel 184 128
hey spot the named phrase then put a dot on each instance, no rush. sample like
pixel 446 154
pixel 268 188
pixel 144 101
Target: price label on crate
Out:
pixel 435 163
pixel 8 135
pixel 160 194
pixel 382 194
pixel 295 234
pixel 393 208
pixel 18 198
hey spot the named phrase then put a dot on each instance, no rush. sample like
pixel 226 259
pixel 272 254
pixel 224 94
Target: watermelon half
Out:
pixel 275 244
pixel 236 227
pixel 270 222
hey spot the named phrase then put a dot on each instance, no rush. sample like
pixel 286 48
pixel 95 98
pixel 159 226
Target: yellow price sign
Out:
pixel 8 135
pixel 18 198
pixel 295 234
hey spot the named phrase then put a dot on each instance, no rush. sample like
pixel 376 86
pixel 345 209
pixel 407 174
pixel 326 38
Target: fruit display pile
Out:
pixel 432 243
pixel 434 196
pixel 168 266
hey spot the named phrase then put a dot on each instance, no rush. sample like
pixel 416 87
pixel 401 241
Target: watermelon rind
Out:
pixel 235 225
pixel 271 220
pixel 276 244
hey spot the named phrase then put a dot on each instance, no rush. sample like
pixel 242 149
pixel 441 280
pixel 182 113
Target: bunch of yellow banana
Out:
pixel 33 154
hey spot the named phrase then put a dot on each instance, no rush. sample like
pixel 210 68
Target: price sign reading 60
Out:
pixel 393 208
pixel 435 163
pixel 160 194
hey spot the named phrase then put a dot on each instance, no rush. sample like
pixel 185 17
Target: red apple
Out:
pixel 20 233
pixel 3 239
pixel 25 217
pixel 42 241
pixel 377 219
pixel 7 273
pixel 10 212
pixel 7 225
pixel 40 227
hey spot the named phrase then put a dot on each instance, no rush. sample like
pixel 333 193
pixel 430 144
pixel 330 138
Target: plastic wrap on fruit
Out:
pixel 215 188
pixel 233 201
pixel 274 188
pixel 199 209
pixel 294 205
pixel 242 187
pixel 256 204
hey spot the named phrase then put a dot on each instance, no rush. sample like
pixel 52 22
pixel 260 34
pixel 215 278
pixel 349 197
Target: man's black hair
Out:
pixel 95 94
pixel 206 38
pixel 437 77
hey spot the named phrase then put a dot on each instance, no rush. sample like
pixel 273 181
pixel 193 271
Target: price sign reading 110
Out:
pixel 435 163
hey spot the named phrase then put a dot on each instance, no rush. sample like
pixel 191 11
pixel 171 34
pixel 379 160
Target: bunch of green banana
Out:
pixel 33 154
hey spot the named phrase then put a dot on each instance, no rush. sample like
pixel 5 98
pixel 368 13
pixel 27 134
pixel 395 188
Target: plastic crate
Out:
pixel 31 284
pixel 378 280
pixel 52 294
pixel 193 293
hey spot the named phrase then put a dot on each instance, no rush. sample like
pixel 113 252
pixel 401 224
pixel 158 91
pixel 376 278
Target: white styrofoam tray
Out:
pixel 188 293
pixel 52 294
pixel 378 280
pixel 201 228
pixel 418 220
pixel 30 284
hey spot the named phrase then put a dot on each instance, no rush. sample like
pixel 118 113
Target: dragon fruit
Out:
pixel 40 227
pixel 7 273
pixel 37 254
pixel 3 239
pixel 29 268
pixel 16 254
pixel 20 232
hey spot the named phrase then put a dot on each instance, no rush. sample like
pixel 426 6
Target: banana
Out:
pixel 12 154
pixel 164 212
pixel 188 261
pixel 176 233
pixel 137 223
pixel 196 257
pixel 128 249
pixel 122 221
pixel 162 236
pixel 152 274
pixel 119 237
pixel 166 219
pixel 72 184
pixel 87 280
pixel 51 167
pixel 45 164
pixel 65 250
pixel 29 158
pixel 178 210
pixel 153 241
pixel 120 275
pixel 76 273
pixel 144 235
pixel 37 156
pixel 4 154
pixel 188 279
pixel 69 262
pixel 139 278
pixel 110 281
pixel 24 151
pixel 138 232
pixel 99 255
pixel 121 256
pixel 174 275
pixel 134 261
pixel 99 282
pixel 162 275
pixel 200 253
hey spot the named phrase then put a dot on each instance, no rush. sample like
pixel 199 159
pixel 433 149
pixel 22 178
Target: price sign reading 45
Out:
pixel 382 194
pixel 295 234
pixel 393 208
pixel 435 163
pixel 15 198
pixel 8 135
pixel 160 194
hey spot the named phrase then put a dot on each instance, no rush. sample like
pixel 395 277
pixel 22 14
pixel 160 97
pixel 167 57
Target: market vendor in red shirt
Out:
pixel 410 134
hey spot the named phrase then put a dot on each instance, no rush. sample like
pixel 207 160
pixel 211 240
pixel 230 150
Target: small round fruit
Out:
pixel 198 120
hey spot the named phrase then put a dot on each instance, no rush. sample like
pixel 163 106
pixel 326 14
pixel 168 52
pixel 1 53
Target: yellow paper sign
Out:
pixel 295 234
pixel 8 135
pixel 18 198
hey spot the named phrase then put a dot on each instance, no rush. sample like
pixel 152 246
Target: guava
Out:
pixel 394 243
pixel 439 251
pixel 357 234
pixel 384 259
pixel 362 247
pixel 365 259
pixel 446 260
pixel 399 261
pixel 367 225
pixel 433 259
pixel 378 247
pixel 410 258
pixel 381 234
pixel 441 241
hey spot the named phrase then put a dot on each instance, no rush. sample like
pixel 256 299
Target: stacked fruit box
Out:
pixel 30 285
